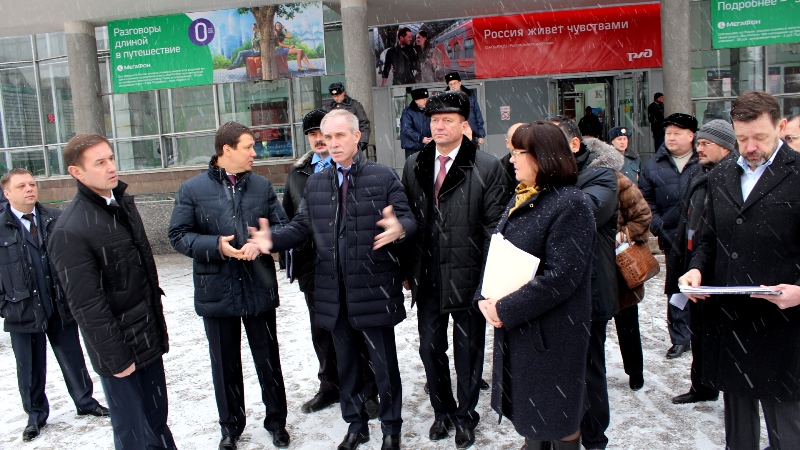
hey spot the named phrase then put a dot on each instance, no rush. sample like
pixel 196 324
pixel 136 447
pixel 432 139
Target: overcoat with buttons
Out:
pixel 751 348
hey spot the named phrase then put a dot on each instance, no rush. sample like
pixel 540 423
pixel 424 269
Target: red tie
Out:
pixel 440 177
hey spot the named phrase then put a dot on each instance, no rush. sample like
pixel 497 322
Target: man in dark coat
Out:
pixel 475 119
pixel 664 182
pixel 655 115
pixel 300 266
pixel 108 273
pixel 355 211
pixel 598 182
pixel 31 303
pixel 590 125
pixel 715 143
pixel 402 60
pixel 234 283
pixel 457 194
pixel 343 101
pixel 415 126
pixel 751 345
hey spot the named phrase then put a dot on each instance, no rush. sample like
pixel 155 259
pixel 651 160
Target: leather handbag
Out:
pixel 635 262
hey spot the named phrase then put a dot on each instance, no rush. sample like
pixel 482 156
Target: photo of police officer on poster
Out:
pixel 423 52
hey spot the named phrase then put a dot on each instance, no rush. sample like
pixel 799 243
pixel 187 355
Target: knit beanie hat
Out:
pixel 719 132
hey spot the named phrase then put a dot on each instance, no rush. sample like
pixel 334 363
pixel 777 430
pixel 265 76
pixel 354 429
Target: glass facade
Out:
pixel 718 76
pixel 148 130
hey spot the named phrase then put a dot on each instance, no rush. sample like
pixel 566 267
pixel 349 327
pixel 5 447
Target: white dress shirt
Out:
pixel 751 176
pixel 448 164
pixel 25 222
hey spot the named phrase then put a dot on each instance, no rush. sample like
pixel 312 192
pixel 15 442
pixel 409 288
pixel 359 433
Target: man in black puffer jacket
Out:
pixel 664 183
pixel 597 164
pixel 233 282
pixel 33 307
pixel 457 194
pixel 100 250
pixel 355 210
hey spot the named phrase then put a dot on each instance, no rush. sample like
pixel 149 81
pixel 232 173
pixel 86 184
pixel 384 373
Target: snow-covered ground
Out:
pixel 639 420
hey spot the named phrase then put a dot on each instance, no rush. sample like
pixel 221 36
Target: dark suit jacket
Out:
pixel 751 347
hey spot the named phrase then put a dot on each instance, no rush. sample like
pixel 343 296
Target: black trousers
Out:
pixel 328 374
pixel 598 416
pixel 630 340
pixel 379 342
pixel 469 337
pixel 139 407
pixel 743 427
pixel 224 344
pixel 30 351
pixel 678 319
pixel 696 327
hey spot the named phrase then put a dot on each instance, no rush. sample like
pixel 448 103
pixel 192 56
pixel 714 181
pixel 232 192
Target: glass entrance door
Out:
pixel 631 100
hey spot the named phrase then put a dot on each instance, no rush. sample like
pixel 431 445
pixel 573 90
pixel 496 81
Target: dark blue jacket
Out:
pixel 209 206
pixel 633 166
pixel 664 188
pixel 546 321
pixel 21 297
pixel 372 278
pixel 414 125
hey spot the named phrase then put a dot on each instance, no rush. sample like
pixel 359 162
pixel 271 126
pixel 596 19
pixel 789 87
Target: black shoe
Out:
pixel 694 397
pixel 98 411
pixel 280 437
pixel 30 433
pixel 484 385
pixel 465 437
pixel 372 405
pixel 636 382
pixel 352 440
pixel 677 350
pixel 320 401
pixel 439 429
pixel 228 442
pixel 427 388
pixel 391 442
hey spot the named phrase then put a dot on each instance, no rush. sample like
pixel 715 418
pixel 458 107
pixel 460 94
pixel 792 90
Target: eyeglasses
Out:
pixel 705 144
pixel 517 152
pixel 789 138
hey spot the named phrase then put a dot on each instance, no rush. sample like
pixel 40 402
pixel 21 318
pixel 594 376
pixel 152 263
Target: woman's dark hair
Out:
pixel 545 143
pixel 424 34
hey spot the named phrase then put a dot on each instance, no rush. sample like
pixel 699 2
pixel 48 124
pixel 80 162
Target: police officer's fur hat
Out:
pixel 452 76
pixel 680 120
pixel 336 88
pixel 448 102
pixel 418 94
pixel 312 120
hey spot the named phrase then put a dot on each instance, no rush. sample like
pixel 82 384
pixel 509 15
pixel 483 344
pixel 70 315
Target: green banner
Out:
pixel 754 22
pixel 157 53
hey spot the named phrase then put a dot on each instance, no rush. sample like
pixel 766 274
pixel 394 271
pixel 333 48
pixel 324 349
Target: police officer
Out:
pixel 343 101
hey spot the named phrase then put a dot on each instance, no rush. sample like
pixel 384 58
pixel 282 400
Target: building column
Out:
pixel 358 70
pixel 84 77
pixel 675 50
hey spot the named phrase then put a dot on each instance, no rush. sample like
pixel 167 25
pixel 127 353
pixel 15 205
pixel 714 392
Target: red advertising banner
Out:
pixel 585 40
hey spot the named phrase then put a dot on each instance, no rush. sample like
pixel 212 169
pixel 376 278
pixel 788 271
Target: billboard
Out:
pixel 233 45
pixel 754 23
pixel 568 41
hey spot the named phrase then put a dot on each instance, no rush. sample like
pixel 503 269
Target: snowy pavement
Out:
pixel 639 420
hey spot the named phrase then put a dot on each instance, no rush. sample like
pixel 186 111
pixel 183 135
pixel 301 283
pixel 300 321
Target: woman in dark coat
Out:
pixel 541 337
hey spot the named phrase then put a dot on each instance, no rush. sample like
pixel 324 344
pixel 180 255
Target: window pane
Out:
pixel 708 111
pixel 137 155
pixel 255 104
pixel 307 95
pixel 16 49
pixel 106 100
pixel 194 150
pixel 104 82
pixel 135 114
pixel 101 34
pixel 33 160
pixel 20 110
pixel 56 157
pixel 50 45
pixel 302 144
pixel 275 142
pixel 57 110
pixel 193 108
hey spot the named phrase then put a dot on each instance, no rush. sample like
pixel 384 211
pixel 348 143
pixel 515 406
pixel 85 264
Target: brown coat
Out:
pixel 635 215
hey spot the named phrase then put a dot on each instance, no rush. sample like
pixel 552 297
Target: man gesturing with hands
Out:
pixel 355 210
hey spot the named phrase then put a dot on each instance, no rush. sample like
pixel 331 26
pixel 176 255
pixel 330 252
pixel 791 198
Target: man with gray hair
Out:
pixel 357 213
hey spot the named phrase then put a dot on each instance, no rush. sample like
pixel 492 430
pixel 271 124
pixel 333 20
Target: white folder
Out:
pixel 507 268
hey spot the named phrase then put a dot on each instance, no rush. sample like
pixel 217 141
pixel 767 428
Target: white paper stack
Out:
pixel 507 268
pixel 727 290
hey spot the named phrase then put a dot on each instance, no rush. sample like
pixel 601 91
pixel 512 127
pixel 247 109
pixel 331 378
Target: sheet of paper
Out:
pixel 727 290
pixel 679 301
pixel 507 268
